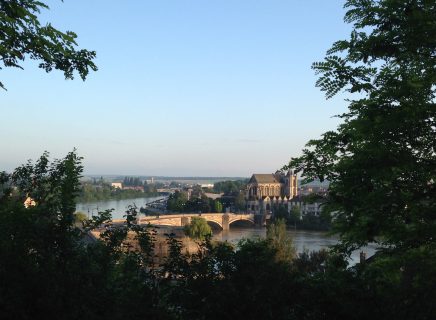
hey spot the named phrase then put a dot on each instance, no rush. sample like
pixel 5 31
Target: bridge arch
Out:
pixel 245 221
pixel 214 225
pixel 241 220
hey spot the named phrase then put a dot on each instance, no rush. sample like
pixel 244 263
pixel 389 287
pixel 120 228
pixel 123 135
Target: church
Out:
pixel 265 191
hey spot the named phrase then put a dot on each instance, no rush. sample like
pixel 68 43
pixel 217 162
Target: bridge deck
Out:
pixel 222 219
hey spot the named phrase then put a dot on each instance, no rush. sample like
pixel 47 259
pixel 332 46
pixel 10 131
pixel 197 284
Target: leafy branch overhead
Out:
pixel 381 160
pixel 388 38
pixel 22 35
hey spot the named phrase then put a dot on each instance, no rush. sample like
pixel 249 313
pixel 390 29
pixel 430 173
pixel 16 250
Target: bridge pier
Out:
pixel 225 222
pixel 259 220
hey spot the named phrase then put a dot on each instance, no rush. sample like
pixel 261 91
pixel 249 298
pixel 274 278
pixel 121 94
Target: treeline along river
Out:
pixel 303 240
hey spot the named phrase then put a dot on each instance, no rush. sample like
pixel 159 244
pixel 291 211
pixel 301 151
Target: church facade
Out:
pixel 266 191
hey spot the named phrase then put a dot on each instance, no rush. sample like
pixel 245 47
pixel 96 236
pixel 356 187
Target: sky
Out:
pixel 184 87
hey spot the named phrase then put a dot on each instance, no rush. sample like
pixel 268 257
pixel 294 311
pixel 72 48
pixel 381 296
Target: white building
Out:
pixel 117 185
pixel 306 208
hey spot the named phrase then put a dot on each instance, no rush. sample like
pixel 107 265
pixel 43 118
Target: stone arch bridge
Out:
pixel 223 220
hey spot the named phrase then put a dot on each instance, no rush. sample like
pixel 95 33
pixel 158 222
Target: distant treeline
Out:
pixel 104 191
pixel 178 202
pixel 229 186
pixel 133 182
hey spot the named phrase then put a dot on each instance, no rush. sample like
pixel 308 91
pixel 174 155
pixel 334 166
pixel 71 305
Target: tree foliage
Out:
pixel 229 186
pixel 218 207
pixel 178 202
pixel 104 191
pixel 198 229
pixel 281 241
pixel 49 267
pixel 381 161
pixel 381 166
pixel 22 35
pixel 132 181
pixel 80 217
pixel 240 202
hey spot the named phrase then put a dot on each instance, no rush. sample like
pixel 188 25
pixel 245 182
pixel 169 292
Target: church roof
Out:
pixel 264 178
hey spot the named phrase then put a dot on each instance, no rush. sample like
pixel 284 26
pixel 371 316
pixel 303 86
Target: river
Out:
pixel 119 206
pixel 303 240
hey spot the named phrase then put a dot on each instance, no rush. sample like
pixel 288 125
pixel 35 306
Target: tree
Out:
pixel 198 228
pixel 21 36
pixel 177 201
pixel 295 216
pixel 44 254
pixel 229 186
pixel 240 202
pixel 38 241
pixel 280 212
pixel 281 241
pixel 381 161
pixel 218 206
pixel 150 188
pixel 80 216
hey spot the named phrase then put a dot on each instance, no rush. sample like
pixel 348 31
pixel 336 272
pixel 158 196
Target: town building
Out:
pixel 206 185
pixel 310 189
pixel 306 208
pixel 117 185
pixel 265 191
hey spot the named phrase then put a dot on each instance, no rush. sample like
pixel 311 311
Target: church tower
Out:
pixel 291 184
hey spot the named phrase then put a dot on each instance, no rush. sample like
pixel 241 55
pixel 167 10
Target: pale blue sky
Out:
pixel 185 88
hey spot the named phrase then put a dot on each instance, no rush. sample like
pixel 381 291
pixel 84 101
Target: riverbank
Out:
pixel 104 191
pixel 116 195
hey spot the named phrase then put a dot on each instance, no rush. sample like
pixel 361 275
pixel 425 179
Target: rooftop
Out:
pixel 264 178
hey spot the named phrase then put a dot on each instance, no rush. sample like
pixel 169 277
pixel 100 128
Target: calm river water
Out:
pixel 303 240
pixel 119 206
